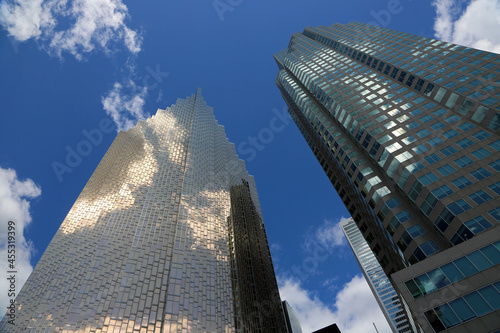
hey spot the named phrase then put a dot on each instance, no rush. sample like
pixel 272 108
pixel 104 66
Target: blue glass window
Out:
pixel 394 72
pixel 420 149
pixel 462 182
pixel 459 206
pixel 403 216
pixel 481 135
pixel 491 295
pixel 495 145
pixel 450 134
pixel 480 197
pixel 452 119
pixel 435 141
pixel 429 248
pixel 393 225
pixel 495 188
pixel 447 316
pixel 465 143
pixel 444 219
pixel 413 288
pixel 409 139
pixel 495 213
pixel 427 178
pixel 402 76
pixel 393 203
pixel 495 165
pixel 492 253
pixel 448 151
pixel 437 126
pixel 429 105
pixel 426 118
pixel 442 192
pixel 479 260
pixel 478 224
pixel 477 303
pixel 462 309
pixel 480 173
pixel 431 159
pixel 463 161
pixel 452 272
pixel 415 231
pixel 423 133
pixel 446 170
pixel 416 166
pixel 415 112
pixel 438 278
pixel 465 266
pixel 481 153
pixel 428 89
pixel 425 284
pixel 439 112
pixel 419 84
pixel 412 125
pixel 466 126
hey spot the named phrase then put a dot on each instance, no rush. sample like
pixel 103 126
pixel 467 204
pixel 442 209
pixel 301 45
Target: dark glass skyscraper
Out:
pixel 167 236
pixel 406 128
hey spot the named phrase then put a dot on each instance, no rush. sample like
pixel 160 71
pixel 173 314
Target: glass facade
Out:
pixel 379 283
pixel 292 322
pixel 156 240
pixel 407 130
pixel 462 309
pixel 455 271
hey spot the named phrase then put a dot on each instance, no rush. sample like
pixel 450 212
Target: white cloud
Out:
pixel 329 235
pixel 275 247
pixel 354 309
pixel 475 25
pixel 25 19
pixel 92 24
pixel 124 103
pixel 14 206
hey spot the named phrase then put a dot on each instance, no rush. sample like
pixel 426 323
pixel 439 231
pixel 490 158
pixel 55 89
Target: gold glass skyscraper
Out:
pixel 167 236
pixel 407 130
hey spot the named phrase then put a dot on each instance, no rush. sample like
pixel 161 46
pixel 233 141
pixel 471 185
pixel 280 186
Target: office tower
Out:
pixel 292 322
pixel 333 328
pixel 167 236
pixel 406 129
pixel 379 283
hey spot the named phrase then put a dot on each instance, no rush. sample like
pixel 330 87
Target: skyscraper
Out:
pixel 386 296
pixel 406 129
pixel 167 236
pixel 292 322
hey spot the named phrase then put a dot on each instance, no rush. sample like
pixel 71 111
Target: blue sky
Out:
pixel 72 68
